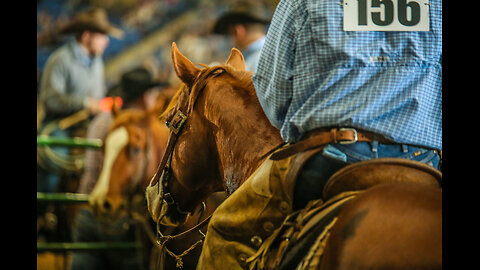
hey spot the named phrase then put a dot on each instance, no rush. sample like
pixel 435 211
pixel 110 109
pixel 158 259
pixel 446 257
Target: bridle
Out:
pixel 175 125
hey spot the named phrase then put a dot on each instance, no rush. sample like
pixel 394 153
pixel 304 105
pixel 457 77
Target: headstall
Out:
pixel 175 124
pixel 164 169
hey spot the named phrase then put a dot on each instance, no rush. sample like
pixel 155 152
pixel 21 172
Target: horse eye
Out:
pixel 134 150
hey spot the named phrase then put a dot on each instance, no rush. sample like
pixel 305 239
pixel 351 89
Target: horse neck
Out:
pixel 243 136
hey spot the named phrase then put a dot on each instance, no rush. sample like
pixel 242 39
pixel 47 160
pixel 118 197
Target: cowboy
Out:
pixel 372 94
pixel 73 77
pixel 245 23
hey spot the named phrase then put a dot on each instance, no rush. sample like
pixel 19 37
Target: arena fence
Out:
pixel 43 140
pixel 62 197
pixel 86 246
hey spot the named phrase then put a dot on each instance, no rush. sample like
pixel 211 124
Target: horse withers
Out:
pixel 220 139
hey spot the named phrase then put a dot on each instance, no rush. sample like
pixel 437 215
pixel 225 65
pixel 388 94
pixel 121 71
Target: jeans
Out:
pixel 317 170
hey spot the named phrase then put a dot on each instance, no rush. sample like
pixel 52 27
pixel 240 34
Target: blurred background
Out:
pixel 150 27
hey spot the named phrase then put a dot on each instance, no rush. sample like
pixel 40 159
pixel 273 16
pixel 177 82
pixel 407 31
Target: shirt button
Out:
pixel 268 226
pixel 256 240
pixel 284 207
pixel 242 259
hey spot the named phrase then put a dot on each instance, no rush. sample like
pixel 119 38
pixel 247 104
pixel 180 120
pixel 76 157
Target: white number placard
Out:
pixel 386 15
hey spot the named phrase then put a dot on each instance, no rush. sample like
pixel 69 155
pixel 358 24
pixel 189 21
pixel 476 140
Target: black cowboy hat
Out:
pixel 242 12
pixel 94 19
pixel 134 83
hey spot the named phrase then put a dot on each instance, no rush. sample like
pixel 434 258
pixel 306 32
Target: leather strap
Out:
pixel 175 125
pixel 295 166
pixel 323 136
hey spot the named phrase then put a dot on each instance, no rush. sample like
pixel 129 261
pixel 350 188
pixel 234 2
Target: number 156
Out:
pixel 388 5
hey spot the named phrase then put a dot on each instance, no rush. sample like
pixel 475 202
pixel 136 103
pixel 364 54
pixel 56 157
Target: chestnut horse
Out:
pixel 133 147
pixel 220 136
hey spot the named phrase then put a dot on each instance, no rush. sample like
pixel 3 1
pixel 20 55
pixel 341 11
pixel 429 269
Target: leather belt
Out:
pixel 322 136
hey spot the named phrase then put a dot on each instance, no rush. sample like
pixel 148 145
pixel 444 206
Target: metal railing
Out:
pixel 62 197
pixel 86 246
pixel 43 140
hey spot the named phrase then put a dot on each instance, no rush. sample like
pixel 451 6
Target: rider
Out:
pixel 73 77
pixel 313 76
pixel 245 23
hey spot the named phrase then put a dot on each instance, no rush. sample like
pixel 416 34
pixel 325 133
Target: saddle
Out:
pixel 308 229
pixel 365 174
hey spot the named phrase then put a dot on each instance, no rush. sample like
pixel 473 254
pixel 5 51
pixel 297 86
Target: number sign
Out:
pixel 386 15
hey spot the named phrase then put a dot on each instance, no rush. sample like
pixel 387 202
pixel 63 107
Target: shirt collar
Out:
pixel 254 46
pixel 81 54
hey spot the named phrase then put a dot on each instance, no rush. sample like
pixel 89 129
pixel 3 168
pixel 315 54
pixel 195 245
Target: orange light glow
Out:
pixel 106 104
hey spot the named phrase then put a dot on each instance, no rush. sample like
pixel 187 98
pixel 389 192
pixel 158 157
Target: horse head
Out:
pixel 133 146
pixel 219 135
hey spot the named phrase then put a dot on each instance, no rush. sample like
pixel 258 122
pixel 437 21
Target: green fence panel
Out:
pixel 62 197
pixel 43 140
pixel 86 246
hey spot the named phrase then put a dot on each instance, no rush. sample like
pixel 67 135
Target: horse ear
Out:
pixel 184 68
pixel 236 59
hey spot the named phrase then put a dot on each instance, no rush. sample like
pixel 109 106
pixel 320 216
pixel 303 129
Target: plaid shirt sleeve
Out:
pixel 311 73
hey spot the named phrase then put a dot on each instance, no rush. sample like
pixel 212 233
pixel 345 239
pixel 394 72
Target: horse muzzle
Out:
pixel 163 208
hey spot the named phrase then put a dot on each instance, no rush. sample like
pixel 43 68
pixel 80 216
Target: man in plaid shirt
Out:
pixel 312 74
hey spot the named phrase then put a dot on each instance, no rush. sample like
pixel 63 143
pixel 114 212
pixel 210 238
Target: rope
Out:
pixel 178 258
pixel 57 162
pixel 163 239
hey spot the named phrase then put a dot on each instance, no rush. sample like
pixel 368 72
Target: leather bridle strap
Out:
pixel 175 125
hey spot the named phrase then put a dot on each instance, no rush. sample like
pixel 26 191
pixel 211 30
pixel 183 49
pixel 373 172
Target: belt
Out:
pixel 322 136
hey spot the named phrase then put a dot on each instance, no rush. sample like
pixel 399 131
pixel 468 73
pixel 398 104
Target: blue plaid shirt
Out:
pixel 313 74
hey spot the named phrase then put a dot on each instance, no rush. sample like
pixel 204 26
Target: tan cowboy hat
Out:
pixel 242 12
pixel 95 20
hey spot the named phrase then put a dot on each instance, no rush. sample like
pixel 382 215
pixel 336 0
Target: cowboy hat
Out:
pixel 94 19
pixel 134 83
pixel 242 12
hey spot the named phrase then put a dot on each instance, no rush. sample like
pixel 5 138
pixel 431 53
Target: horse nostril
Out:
pixel 106 206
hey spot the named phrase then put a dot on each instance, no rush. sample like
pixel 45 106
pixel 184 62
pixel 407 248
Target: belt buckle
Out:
pixel 355 136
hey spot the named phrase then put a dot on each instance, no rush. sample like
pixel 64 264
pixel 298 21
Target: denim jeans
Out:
pixel 318 169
